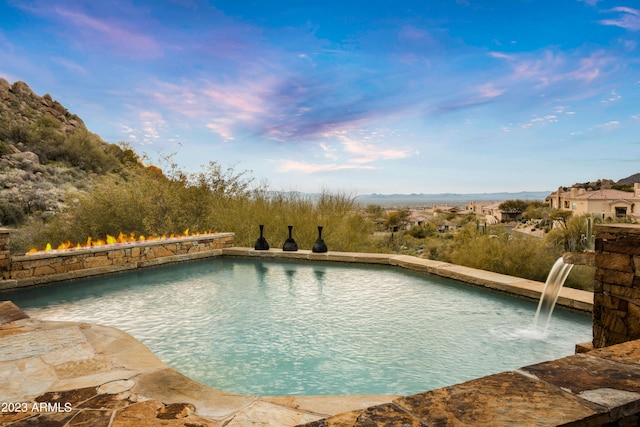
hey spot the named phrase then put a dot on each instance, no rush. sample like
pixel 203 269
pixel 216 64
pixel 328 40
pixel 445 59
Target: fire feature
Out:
pixel 110 240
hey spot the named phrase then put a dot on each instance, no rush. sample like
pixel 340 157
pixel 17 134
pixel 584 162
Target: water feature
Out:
pixel 552 286
pixel 292 328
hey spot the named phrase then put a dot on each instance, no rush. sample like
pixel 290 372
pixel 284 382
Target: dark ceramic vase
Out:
pixel 319 246
pixel 261 243
pixel 290 245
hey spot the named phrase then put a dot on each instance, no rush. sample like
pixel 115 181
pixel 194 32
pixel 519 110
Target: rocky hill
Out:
pixel 20 106
pixel 47 153
pixel 624 184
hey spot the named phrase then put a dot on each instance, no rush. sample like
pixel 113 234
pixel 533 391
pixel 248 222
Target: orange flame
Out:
pixel 111 240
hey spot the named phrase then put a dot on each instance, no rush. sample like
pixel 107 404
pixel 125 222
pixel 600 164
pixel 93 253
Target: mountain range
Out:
pixel 454 199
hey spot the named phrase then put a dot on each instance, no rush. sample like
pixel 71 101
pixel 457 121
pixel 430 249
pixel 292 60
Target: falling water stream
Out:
pixel 550 292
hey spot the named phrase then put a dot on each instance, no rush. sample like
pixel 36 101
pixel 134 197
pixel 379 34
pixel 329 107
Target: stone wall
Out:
pixel 616 311
pixel 20 271
pixel 5 258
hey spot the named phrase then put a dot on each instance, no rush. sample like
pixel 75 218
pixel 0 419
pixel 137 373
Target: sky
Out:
pixel 428 96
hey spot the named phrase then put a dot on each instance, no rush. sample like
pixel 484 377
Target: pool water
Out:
pixel 291 328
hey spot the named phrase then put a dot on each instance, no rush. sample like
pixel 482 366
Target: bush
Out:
pixel 88 152
pixel 10 214
pixel 573 237
pixel 515 255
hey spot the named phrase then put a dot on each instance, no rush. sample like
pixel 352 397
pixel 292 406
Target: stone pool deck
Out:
pixel 79 374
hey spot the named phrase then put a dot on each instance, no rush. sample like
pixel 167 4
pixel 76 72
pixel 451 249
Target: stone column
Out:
pixel 616 299
pixel 5 257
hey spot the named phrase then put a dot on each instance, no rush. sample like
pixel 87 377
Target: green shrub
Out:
pixel 87 151
pixel 515 255
pixel 10 214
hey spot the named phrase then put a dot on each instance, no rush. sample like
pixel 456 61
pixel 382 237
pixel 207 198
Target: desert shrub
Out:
pixel 418 232
pixel 573 237
pixel 536 210
pixel 42 137
pixel 10 214
pixel 506 253
pixel 87 151
pixel 4 148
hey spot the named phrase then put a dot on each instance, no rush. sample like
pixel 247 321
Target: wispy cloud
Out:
pixel 613 97
pixel 69 65
pixel 599 130
pixel 550 118
pixel 591 2
pixel 223 127
pixel 148 128
pixel 310 168
pixel 348 149
pixel 548 67
pixel 223 107
pixel 472 97
pixel 609 126
pixel 122 39
pixel 363 147
pixel 627 18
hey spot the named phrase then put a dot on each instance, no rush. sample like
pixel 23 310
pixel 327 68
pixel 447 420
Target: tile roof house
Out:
pixel 492 212
pixel 607 203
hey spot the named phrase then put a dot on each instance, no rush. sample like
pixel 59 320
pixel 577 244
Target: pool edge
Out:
pixel 569 298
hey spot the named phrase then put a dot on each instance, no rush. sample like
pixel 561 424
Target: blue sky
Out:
pixel 464 96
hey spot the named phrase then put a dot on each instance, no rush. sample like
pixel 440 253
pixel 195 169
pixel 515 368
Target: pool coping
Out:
pixel 569 298
pixel 104 373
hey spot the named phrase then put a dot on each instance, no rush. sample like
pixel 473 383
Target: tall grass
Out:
pixel 148 203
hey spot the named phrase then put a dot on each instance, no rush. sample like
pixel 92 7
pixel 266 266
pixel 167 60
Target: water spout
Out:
pixel 550 292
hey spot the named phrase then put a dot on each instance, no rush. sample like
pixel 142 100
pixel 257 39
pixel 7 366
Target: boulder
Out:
pixel 26 158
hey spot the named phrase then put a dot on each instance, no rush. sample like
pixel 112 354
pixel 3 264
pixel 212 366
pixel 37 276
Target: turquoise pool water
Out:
pixel 288 328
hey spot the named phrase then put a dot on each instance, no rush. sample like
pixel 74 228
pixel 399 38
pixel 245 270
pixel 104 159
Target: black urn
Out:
pixel 319 246
pixel 261 243
pixel 290 245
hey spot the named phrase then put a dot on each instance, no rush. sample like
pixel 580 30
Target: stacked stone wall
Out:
pixel 5 257
pixel 616 312
pixel 54 266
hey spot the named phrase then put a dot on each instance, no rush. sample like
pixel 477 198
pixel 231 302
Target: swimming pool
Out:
pixel 268 327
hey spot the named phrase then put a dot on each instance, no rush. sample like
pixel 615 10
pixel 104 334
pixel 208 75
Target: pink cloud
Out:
pixel 362 149
pixel 121 40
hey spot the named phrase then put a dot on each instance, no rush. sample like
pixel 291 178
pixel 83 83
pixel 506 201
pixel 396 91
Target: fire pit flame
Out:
pixel 111 240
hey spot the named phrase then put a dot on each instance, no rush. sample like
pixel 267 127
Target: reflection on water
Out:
pixel 276 328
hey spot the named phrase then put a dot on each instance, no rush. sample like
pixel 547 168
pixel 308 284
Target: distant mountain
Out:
pixel 630 180
pixel 447 198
